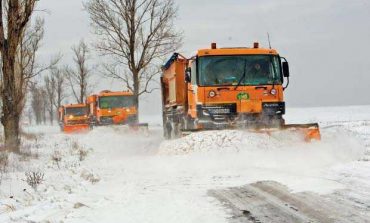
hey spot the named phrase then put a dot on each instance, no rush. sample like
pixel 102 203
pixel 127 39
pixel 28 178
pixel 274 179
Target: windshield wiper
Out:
pixel 244 74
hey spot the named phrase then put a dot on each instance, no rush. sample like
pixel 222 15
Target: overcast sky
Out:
pixel 327 42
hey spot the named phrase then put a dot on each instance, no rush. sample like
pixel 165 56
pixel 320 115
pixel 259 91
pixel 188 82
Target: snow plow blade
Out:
pixel 75 128
pixel 310 132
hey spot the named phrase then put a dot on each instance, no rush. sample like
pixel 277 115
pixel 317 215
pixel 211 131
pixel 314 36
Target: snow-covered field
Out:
pixel 113 175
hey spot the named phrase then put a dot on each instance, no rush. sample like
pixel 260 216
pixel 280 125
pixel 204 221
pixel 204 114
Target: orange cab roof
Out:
pixel 75 105
pixel 236 51
pixel 115 93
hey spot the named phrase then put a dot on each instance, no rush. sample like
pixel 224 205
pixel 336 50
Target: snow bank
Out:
pixel 339 144
pixel 117 142
pixel 138 177
pixel 282 157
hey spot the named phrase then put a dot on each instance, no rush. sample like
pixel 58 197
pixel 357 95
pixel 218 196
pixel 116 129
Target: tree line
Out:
pixel 133 38
pixel 58 84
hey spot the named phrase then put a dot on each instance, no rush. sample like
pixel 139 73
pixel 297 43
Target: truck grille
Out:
pixel 217 110
pixel 76 122
pixel 273 108
pixel 106 120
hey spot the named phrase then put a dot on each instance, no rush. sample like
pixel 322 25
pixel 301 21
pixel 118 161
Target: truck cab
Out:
pixel 73 117
pixel 222 88
pixel 112 108
pixel 238 86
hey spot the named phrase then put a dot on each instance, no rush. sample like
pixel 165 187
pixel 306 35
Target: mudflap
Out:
pixel 76 128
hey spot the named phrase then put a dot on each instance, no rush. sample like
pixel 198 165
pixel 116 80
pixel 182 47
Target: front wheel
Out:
pixel 187 123
pixel 274 121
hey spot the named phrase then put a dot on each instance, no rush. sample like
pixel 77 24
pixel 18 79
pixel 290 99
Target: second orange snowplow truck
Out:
pixel 73 118
pixel 223 88
pixel 112 108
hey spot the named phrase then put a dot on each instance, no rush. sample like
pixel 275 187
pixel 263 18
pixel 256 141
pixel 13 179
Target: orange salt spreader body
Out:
pixel 112 108
pixel 226 88
pixel 73 118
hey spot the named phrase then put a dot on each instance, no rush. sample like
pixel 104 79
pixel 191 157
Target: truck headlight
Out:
pixel 212 94
pixel 273 91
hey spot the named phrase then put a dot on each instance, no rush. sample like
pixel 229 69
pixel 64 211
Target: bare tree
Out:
pixel 14 17
pixel 25 63
pixel 55 92
pixel 29 115
pixel 37 102
pixel 50 88
pixel 135 35
pixel 79 78
pixel 44 105
pixel 60 82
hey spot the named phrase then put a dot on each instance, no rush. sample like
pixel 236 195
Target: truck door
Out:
pixel 193 91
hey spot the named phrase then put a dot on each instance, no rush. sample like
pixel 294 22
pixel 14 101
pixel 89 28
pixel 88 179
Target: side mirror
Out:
pixel 188 74
pixel 286 69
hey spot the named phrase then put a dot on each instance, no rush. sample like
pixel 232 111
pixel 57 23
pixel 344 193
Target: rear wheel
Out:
pixel 176 130
pixel 173 127
pixel 167 129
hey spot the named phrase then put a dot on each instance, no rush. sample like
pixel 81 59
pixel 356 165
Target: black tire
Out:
pixel 275 121
pixel 167 129
pixel 187 123
pixel 176 130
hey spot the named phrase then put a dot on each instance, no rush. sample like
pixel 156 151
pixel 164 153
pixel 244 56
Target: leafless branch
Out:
pixel 14 23
pixel 79 78
pixel 136 35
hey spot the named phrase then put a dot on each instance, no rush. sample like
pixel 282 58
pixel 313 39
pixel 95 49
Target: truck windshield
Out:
pixel 116 102
pixel 229 70
pixel 78 111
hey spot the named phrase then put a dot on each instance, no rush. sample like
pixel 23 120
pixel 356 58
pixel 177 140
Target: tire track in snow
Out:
pixel 271 202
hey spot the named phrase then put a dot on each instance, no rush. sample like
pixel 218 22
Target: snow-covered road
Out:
pixel 130 177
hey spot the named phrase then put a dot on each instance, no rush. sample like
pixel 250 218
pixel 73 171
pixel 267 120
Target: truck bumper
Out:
pixel 221 116
pixel 115 120
pixel 75 128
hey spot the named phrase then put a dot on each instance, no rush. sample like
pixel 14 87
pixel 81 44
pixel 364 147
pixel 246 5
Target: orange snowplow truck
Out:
pixel 112 108
pixel 73 118
pixel 226 88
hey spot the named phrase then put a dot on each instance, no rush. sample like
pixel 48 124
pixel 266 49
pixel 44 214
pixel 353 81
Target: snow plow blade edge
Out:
pixel 75 128
pixel 309 131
